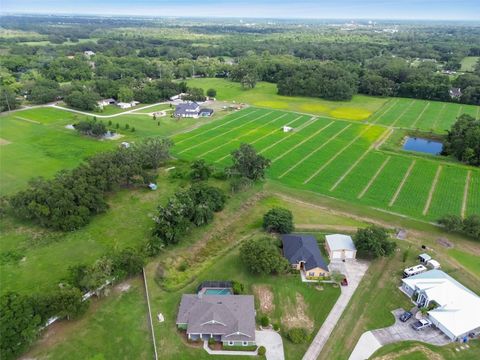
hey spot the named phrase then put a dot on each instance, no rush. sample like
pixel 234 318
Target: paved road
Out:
pixel 354 270
pixel 371 341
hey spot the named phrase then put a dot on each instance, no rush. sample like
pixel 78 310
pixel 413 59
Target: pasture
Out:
pixel 265 95
pixel 469 62
pixel 35 142
pixel 339 159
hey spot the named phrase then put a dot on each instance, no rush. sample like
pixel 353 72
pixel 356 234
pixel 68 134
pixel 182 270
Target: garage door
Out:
pixel 349 255
pixel 336 255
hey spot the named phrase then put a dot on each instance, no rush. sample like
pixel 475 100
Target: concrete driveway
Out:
pixel 354 271
pixel 371 341
pixel 272 341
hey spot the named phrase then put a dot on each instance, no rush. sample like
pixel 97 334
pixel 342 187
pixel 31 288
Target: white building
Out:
pixel 127 105
pixel 340 247
pixel 89 53
pixel 455 309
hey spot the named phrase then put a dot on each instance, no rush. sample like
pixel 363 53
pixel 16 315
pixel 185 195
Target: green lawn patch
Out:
pixel 469 260
pixel 468 63
pixel 265 95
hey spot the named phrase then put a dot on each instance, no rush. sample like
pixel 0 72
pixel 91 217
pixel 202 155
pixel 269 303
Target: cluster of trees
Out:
pixel 72 197
pixel 325 80
pixel 278 220
pixel 23 316
pixel 262 256
pixel 119 265
pixel 186 208
pixel 463 140
pixel 248 167
pixel 469 226
pixel 91 127
pixel 374 241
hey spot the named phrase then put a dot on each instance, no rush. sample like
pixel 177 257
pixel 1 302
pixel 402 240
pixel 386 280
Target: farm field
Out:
pixel 432 116
pixel 339 159
pixel 265 95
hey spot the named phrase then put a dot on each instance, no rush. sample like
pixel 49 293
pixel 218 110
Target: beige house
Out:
pixel 303 253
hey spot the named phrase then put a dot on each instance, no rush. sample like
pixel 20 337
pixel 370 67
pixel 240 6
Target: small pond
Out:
pixel 423 145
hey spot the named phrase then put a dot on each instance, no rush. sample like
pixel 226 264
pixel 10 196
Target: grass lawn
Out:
pixel 469 62
pixel 48 254
pixel 265 95
pixel 115 327
pixel 339 159
pixel 469 260
pixel 410 350
pixel 290 298
pixel 36 142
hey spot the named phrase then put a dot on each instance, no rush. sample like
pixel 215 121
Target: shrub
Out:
pixel 220 175
pixel 262 351
pixel 211 93
pixel 297 335
pixel 278 220
pixel 264 320
pixel 237 287
pixel 211 341
pixel 276 327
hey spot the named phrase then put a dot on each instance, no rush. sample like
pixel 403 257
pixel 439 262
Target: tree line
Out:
pixel 69 200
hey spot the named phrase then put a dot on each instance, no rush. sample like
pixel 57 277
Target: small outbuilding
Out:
pixel 433 264
pixel 152 186
pixel 287 129
pixel 340 247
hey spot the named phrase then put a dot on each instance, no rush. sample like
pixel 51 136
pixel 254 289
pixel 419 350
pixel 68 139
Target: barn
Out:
pixel 340 247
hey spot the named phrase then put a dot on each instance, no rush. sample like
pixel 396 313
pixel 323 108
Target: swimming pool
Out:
pixel 217 292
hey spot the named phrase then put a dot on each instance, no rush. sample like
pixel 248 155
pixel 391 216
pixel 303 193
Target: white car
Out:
pixel 421 324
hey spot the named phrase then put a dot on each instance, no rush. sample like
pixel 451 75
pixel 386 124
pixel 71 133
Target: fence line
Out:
pixel 150 315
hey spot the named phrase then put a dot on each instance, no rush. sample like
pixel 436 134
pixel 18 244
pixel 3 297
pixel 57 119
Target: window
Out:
pixel 311 274
pixel 230 343
pixel 244 343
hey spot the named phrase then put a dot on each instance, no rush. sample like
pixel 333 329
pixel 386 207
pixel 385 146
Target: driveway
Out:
pixel 272 342
pixel 354 271
pixel 371 341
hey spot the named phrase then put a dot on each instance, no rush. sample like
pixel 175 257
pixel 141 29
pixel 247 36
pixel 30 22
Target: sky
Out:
pixel 321 9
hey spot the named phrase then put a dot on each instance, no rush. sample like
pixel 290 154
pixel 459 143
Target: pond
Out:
pixel 423 145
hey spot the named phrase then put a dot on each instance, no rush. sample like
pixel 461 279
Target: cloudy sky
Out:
pixel 367 9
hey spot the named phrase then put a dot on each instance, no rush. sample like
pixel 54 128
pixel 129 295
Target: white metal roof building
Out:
pixel 457 313
pixel 340 247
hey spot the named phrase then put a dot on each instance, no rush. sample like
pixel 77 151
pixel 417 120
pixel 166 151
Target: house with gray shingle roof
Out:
pixel 187 109
pixel 303 253
pixel 226 318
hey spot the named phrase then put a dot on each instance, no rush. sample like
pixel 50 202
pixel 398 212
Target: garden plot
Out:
pixel 420 114
pixel 340 159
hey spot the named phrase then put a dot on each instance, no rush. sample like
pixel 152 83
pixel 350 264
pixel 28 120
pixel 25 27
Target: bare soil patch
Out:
pixel 429 353
pixel 445 243
pixel 4 142
pixel 264 295
pixel 296 315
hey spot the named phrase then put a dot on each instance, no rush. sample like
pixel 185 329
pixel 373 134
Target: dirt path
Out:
pixel 108 116
pixel 404 180
pixel 465 193
pixel 429 353
pixel 432 190
pixel 372 180
pixel 320 227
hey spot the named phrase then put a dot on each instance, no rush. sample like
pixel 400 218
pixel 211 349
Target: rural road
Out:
pixel 354 271
pixel 108 116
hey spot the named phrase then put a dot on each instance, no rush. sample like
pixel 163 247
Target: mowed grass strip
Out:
pixel 215 134
pixel 243 135
pixel 307 157
pixel 222 151
pixel 319 170
pixel 412 113
pixel 473 203
pixel 449 194
pixel 213 126
pixel 273 133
